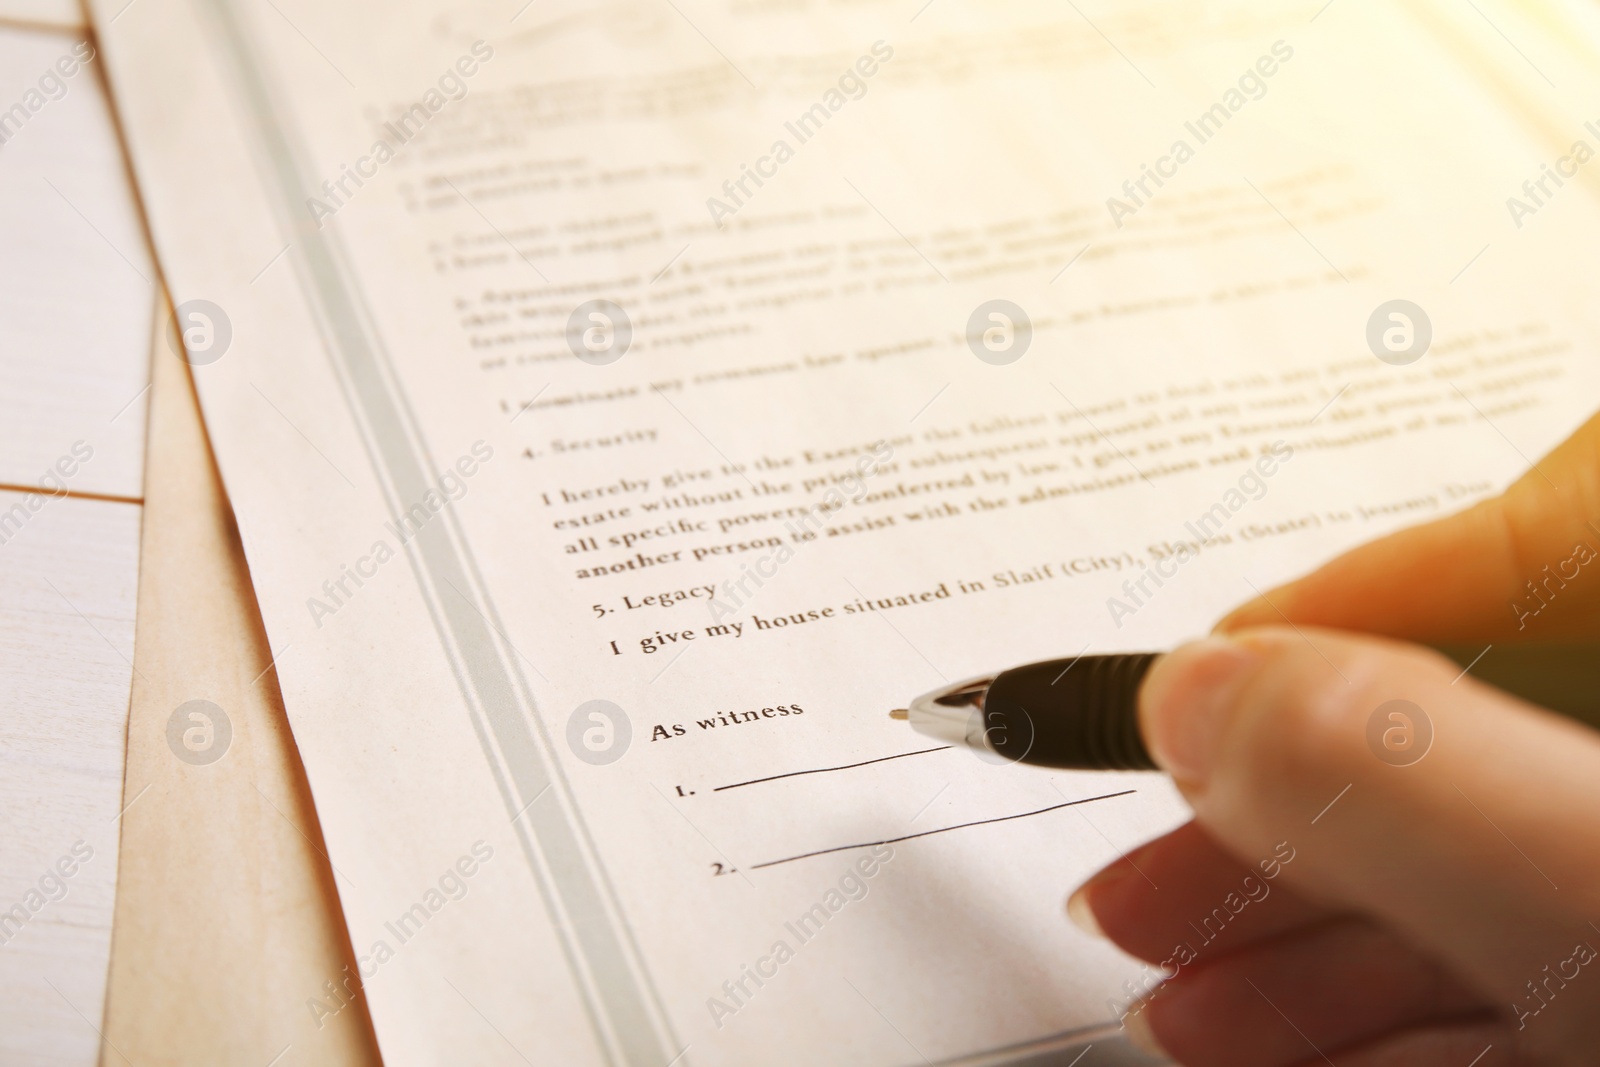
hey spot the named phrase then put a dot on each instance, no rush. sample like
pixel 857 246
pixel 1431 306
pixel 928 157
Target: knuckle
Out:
pixel 1308 707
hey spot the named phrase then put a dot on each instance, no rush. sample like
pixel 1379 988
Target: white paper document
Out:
pixel 625 405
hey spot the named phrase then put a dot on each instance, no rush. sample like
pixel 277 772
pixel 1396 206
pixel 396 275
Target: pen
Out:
pixel 1083 713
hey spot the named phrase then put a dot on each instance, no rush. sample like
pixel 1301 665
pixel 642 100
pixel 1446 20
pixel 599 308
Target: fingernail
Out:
pixel 1243 615
pixel 1258 611
pixel 1079 912
pixel 1140 1035
pixel 1078 909
pixel 1186 700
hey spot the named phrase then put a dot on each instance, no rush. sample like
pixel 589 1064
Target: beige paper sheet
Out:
pixel 227 920
pixel 50 14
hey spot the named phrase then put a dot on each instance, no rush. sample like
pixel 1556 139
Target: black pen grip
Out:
pixel 1083 713
pixel 1072 713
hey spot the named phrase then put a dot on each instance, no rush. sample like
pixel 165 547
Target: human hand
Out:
pixel 1334 902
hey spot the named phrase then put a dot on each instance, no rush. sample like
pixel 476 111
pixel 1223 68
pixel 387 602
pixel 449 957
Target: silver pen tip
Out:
pixel 900 713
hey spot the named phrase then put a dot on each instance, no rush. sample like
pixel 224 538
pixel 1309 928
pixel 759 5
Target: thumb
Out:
pixel 1459 818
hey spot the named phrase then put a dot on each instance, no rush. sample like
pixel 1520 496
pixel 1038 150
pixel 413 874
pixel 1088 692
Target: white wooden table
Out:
pixel 77 292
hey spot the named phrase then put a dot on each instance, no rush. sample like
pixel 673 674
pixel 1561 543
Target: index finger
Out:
pixel 1512 567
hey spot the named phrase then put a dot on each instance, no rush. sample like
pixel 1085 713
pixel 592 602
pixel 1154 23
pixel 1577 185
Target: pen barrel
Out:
pixel 1563 677
pixel 1083 713
pixel 1078 713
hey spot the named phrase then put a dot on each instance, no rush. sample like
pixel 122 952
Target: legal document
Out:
pixel 624 405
